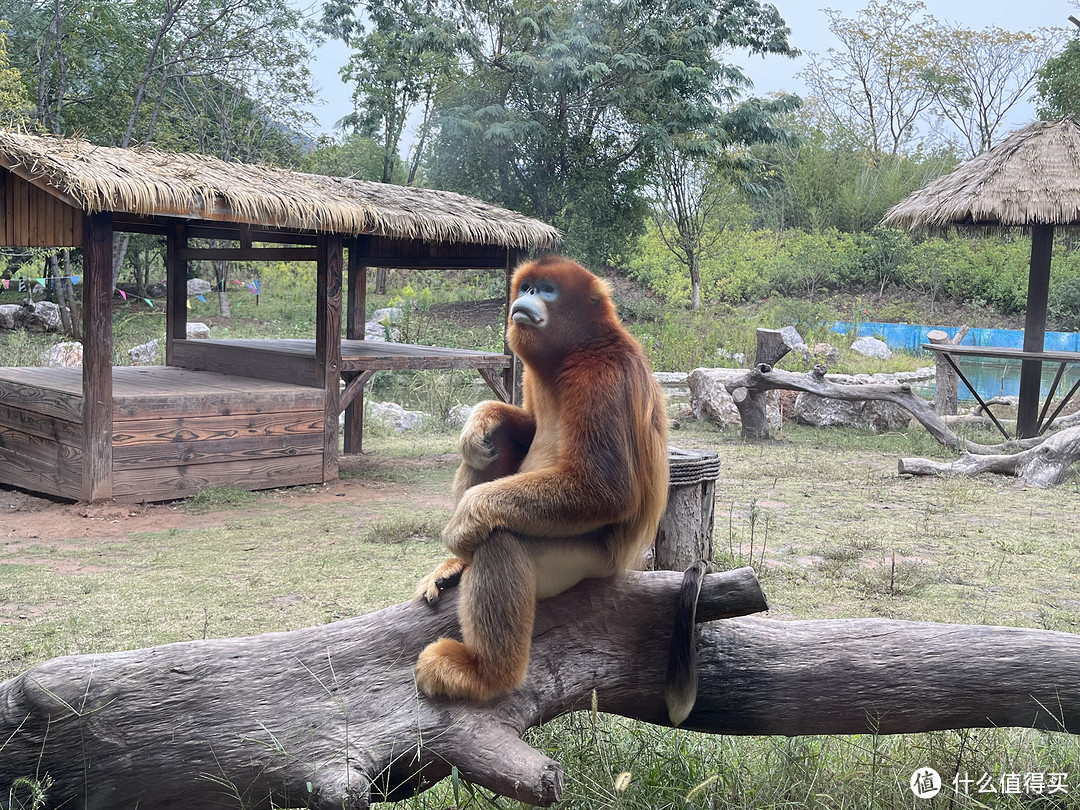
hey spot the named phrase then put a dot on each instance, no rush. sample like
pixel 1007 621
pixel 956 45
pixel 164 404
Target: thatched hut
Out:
pixel 1029 180
pixel 249 414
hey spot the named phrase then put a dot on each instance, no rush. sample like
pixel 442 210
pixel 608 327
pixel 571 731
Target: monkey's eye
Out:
pixel 544 289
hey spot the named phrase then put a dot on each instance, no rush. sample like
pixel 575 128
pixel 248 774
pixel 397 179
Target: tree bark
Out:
pixel 329 716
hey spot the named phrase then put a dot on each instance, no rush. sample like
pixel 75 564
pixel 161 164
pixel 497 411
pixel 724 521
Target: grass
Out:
pixel 822 515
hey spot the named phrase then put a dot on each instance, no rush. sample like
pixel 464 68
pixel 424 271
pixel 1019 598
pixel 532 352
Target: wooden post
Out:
pixel 685 533
pixel 946 382
pixel 328 343
pixel 176 286
pixel 355 324
pixel 513 375
pixel 97 357
pixel 1042 245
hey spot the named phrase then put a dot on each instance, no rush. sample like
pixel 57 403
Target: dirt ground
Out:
pixel 25 516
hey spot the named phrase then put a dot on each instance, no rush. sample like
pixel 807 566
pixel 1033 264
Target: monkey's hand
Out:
pixel 478 445
pixel 447 575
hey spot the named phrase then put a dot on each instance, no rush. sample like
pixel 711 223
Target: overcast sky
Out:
pixel 809 33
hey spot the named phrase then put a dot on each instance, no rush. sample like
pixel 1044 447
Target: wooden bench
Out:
pixel 1026 425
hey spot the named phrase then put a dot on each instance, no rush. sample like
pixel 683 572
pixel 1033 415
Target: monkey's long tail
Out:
pixel 682 680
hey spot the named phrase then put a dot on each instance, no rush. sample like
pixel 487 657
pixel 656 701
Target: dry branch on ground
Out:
pixel 329 716
pixel 1041 461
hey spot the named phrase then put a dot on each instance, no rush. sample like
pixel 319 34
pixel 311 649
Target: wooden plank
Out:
pixel 21 391
pixel 41 425
pixel 40 465
pixel 182 481
pixel 172 454
pixel 1002 353
pixel 254 254
pixel 97 357
pixel 5 207
pixel 229 358
pixel 328 343
pixel 21 204
pixel 37 452
pixel 216 428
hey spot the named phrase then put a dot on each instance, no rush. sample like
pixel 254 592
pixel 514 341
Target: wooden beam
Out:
pixel 328 343
pixel 251 254
pixel 1042 245
pixel 97 357
pixel 176 285
pixel 355 325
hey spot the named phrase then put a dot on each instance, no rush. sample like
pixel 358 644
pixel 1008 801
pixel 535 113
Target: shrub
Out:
pixel 1063 305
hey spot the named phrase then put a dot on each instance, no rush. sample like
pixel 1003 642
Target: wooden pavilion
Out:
pixel 250 414
pixel 1029 180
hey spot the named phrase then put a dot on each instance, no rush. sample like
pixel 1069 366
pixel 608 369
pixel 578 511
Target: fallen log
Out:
pixel 1042 466
pixel 765 378
pixel 329 717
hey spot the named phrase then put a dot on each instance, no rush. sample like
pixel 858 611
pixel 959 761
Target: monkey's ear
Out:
pixel 601 290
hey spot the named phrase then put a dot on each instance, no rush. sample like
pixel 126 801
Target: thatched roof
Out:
pixel 1032 177
pixel 146 182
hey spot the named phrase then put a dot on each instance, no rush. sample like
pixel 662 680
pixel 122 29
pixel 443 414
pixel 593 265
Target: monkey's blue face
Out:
pixel 530 308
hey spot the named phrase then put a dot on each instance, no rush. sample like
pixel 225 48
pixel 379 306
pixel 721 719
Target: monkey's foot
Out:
pixel 449 669
pixel 447 575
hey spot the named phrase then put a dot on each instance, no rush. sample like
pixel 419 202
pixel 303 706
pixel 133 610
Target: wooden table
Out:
pixel 1064 359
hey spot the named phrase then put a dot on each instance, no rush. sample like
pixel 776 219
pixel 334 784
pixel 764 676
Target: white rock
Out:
pixel 42 316
pixel 458 416
pixel 66 355
pixel 871 347
pixel 395 417
pixel 198 331
pixel 875 415
pixel 10 316
pixel 145 354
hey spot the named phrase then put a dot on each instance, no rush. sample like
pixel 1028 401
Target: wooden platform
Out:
pixel 293 360
pixel 175 432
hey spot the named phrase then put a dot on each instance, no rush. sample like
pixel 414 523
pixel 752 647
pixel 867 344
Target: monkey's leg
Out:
pixel 496 609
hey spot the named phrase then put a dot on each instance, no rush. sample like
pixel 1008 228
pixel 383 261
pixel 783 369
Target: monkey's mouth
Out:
pixel 526 315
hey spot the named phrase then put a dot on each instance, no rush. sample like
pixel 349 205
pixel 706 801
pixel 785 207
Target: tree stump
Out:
pixel 772 345
pixel 946 383
pixel 686 529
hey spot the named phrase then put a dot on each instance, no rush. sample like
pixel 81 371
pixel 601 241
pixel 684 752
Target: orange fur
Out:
pixel 569 487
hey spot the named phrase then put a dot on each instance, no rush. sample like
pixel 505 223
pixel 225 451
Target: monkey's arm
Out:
pixel 554 502
pixel 495 439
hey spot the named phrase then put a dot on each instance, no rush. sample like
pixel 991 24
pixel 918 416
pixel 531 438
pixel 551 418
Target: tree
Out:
pixel 352 156
pixel 979 76
pixel 15 107
pixel 695 172
pixel 564 105
pixel 875 82
pixel 1058 83
pixel 403 56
